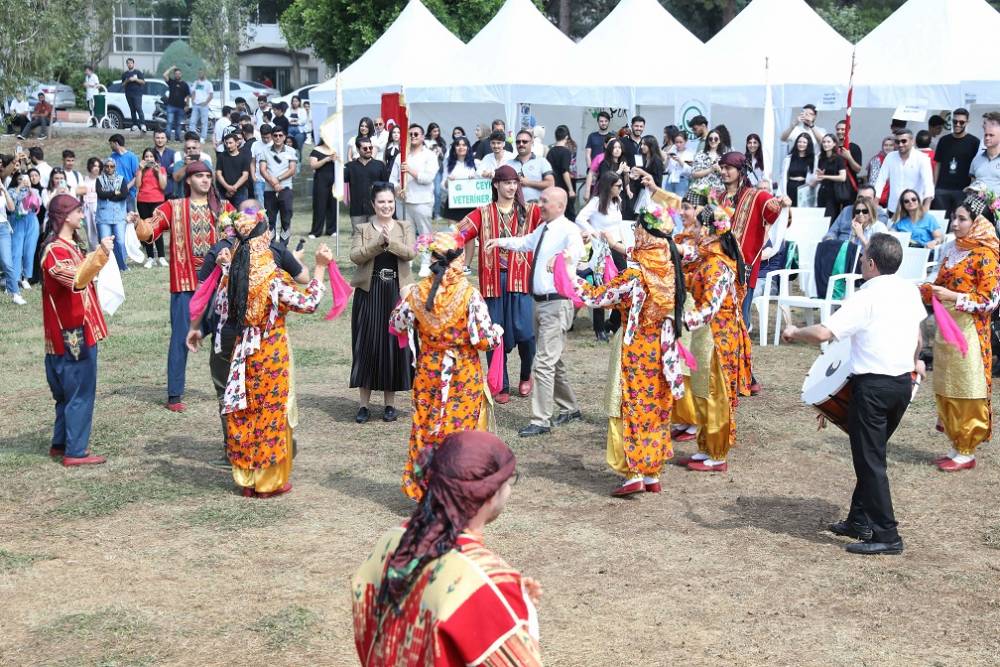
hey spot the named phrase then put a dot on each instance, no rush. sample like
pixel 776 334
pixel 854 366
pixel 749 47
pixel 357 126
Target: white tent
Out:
pixel 415 43
pixel 922 53
pixel 605 57
pixel 519 56
pixel 807 59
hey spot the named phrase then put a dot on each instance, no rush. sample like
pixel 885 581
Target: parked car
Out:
pixel 248 90
pixel 302 92
pixel 119 116
pixel 58 94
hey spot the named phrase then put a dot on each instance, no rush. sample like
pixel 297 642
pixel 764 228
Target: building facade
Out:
pixel 141 35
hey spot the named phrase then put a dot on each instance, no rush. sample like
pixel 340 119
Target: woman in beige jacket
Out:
pixel 382 251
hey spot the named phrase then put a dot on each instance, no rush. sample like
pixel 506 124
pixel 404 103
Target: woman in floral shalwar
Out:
pixel 453 325
pixel 645 373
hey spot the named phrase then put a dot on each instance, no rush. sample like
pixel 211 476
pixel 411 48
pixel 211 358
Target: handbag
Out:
pixel 843 192
pixel 74 340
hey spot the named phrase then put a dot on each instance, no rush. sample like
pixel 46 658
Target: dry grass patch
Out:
pixel 240 514
pixel 291 625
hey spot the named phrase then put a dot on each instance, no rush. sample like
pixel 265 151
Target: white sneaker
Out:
pixel 149 263
pixel 425 270
pixel 163 261
pixel 312 236
pixel 25 284
pixel 19 300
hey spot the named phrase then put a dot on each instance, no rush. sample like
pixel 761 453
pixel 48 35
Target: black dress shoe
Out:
pixel 876 548
pixel 566 418
pixel 362 416
pixel 390 414
pixel 851 529
pixel 533 429
pixel 603 337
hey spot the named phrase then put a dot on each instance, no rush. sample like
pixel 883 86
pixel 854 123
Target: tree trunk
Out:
pixel 564 16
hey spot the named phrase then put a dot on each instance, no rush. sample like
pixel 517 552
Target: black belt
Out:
pixel 554 296
pixel 386 274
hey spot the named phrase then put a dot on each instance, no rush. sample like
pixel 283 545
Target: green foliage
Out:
pixel 39 40
pixel 218 28
pixel 339 31
pixel 180 54
pixel 239 515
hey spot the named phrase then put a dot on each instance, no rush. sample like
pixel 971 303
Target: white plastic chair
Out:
pixel 902 237
pixel 823 306
pixel 915 264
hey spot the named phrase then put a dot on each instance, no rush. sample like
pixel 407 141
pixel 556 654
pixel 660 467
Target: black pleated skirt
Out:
pixel 378 362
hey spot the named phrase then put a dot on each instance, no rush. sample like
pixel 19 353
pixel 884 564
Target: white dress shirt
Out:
pixel 419 190
pixel 489 162
pixel 882 319
pixel 560 235
pixel 592 220
pixel 913 174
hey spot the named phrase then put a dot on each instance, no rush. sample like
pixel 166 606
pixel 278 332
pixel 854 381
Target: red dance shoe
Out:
pixel 949 465
pixel 701 466
pixel 248 492
pixel 87 460
pixel 941 459
pixel 755 388
pixel 502 398
pixel 56 453
pixel 285 489
pixel 176 407
pixel 652 487
pixel 524 389
pixel 684 436
pixel 629 488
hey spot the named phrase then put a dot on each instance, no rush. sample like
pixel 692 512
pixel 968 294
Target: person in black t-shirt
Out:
pixel 560 157
pixel 178 97
pixel 852 158
pixel 232 173
pixel 134 86
pixel 631 143
pixel 953 160
pixel 482 147
pixel 280 120
pixel 595 141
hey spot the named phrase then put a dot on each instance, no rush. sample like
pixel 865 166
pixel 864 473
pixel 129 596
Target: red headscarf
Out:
pixel 198 167
pixel 467 469
pixel 60 206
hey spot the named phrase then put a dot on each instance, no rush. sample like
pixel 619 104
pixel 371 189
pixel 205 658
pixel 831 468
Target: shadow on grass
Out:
pixel 339 409
pixel 801 518
pixel 157 394
pixel 25 449
pixel 569 470
pixel 386 494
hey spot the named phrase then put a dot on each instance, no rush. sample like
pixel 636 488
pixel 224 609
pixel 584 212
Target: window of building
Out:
pixel 146 34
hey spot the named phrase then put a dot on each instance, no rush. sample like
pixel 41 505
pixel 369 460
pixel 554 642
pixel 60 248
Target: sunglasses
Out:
pixel 379 124
pixel 414 134
pixel 522 142
pixel 366 148
pixel 277 134
pixel 910 200
pixel 960 122
pixel 901 142
pixel 860 211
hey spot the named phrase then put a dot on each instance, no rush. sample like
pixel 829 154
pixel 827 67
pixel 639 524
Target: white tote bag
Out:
pixel 110 290
pixel 133 247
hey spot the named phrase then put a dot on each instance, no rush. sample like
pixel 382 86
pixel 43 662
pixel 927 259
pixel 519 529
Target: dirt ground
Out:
pixel 153 560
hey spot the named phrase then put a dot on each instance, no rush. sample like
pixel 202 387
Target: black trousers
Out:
pixel 324 208
pixel 218 364
pixel 614 321
pixel 145 210
pixel 876 408
pixel 279 202
pixel 135 110
pixel 947 201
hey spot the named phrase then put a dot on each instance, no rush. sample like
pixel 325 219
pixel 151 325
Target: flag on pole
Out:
pixel 332 133
pixel 767 127
pixel 338 145
pixel 394 112
pixel 847 122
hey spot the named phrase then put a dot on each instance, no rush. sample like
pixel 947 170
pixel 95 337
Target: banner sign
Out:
pixel 470 193
pixel 688 109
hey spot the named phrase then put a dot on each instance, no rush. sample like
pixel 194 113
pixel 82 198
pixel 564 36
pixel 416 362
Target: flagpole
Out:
pixel 847 120
pixel 338 168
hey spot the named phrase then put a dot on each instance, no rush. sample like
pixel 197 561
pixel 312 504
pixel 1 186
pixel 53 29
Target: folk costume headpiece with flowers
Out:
pixel 660 261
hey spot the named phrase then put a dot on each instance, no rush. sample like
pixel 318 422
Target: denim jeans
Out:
pixel 199 120
pixel 177 353
pixel 74 386
pixel 118 229
pixel 7 259
pixel 258 191
pixel 23 243
pixel 175 116
pixel 436 213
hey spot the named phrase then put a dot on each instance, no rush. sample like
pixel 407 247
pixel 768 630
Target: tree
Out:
pixel 339 31
pixel 39 38
pixel 218 29
pixel 180 54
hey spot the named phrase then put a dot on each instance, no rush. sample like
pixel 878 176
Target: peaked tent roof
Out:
pixel 415 42
pixel 804 55
pixel 489 69
pixel 592 51
pixel 924 50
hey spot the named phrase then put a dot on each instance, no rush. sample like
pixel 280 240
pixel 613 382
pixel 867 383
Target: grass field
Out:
pixel 152 559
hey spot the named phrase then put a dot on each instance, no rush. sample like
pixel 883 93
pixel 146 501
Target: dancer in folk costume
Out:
pixel 505 275
pixel 254 296
pixel 720 343
pixel 646 379
pixel 967 287
pixel 453 325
